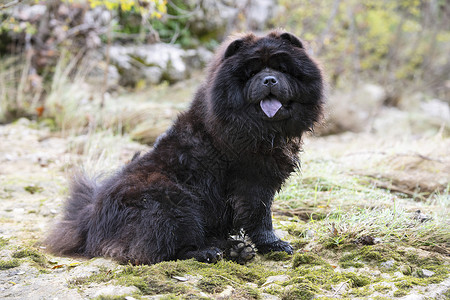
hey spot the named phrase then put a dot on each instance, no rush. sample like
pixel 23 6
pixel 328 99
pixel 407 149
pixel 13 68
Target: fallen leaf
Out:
pixel 40 111
pixel 73 264
pixel 333 230
pixel 57 266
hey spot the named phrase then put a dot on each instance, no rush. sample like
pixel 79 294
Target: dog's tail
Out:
pixel 68 236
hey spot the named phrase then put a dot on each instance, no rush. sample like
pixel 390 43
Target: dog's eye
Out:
pixel 282 69
pixel 250 73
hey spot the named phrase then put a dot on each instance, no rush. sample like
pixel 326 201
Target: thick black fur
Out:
pixel 213 173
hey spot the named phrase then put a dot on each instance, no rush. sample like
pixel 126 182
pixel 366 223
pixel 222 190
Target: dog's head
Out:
pixel 267 85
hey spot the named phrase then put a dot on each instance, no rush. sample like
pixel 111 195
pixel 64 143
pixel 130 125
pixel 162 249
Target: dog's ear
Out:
pixel 292 39
pixel 233 48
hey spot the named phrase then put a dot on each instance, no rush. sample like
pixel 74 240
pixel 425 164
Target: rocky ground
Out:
pixel 334 258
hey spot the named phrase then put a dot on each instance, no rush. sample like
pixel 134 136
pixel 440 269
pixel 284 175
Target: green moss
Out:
pixel 213 284
pixel 406 269
pixel 357 280
pixel 381 288
pixel 171 297
pixel 361 291
pixel 300 291
pixel 307 259
pixel 273 289
pixel 152 280
pixel 3 242
pixel 33 189
pixel 256 273
pixel 277 256
pixel 104 297
pixel 319 276
pixel 369 254
pixel 158 278
pixel 400 293
pixel 441 273
pixel 9 264
pixel 309 275
pixel 299 243
pixel 251 293
pixel 348 264
pixel 34 255
pixel 404 284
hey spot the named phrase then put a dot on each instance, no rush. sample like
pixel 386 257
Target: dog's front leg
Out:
pixel 252 212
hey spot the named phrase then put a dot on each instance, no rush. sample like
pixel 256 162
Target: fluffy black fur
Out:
pixel 213 173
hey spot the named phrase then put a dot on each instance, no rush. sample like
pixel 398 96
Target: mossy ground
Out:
pixel 351 238
pixel 309 275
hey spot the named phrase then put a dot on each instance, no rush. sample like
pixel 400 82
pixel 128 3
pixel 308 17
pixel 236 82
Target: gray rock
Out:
pixel 266 296
pixel 388 264
pixel 413 297
pixel 277 278
pixel 116 290
pixel 259 12
pixel 156 62
pixel 309 234
pixel 29 13
pixel 424 273
pixel 221 17
pixel 227 293
pixel 340 288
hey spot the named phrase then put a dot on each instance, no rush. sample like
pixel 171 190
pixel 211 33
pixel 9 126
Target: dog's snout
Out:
pixel 270 80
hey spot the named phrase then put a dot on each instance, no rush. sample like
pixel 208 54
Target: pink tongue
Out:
pixel 270 107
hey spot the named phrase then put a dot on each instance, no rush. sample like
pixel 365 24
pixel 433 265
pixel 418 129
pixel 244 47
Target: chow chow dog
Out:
pixel 214 173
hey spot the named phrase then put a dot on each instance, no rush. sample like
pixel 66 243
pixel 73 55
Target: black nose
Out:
pixel 270 80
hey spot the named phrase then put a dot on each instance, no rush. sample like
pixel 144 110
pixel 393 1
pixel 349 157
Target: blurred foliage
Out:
pixel 175 25
pixel 171 27
pixel 152 8
pixel 401 45
pixel 393 43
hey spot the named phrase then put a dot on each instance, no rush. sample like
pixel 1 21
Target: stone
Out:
pixel 259 12
pixel 266 296
pixel 309 234
pixel 227 293
pixel 424 273
pixel 340 288
pixel 388 264
pixel 116 290
pixel 154 63
pixel 276 278
pixel 413 297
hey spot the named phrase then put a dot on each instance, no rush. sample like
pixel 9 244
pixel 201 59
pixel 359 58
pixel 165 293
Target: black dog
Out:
pixel 214 172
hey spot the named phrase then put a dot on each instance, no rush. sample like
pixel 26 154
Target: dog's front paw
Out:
pixel 240 252
pixel 276 246
pixel 208 255
pixel 211 255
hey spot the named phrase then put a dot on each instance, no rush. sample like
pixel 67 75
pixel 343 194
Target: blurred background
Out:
pixel 83 65
pixel 85 84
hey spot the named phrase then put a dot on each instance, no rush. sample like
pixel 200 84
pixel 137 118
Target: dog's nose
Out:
pixel 270 80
